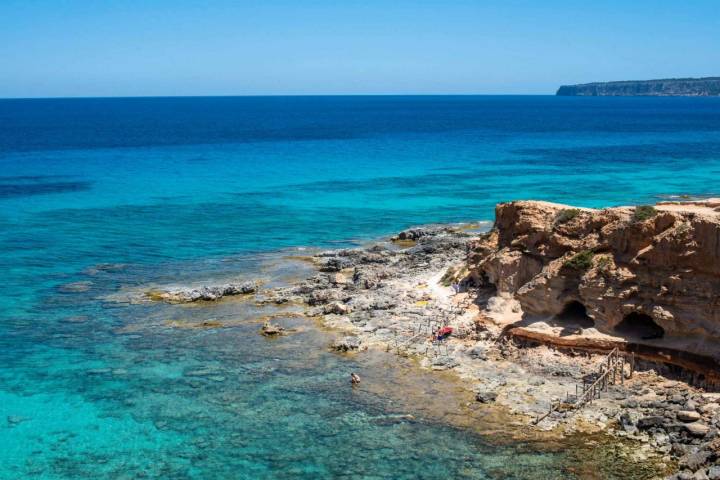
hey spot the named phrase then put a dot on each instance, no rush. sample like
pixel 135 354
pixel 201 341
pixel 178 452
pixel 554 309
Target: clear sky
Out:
pixel 182 47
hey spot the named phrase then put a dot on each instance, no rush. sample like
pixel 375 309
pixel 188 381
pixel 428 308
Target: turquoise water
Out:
pixel 124 194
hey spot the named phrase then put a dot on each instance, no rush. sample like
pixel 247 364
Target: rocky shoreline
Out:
pixel 397 295
pixel 394 298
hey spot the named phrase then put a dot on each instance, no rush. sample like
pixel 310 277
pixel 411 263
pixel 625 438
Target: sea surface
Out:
pixel 104 198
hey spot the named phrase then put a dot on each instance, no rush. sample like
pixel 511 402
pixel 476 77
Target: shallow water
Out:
pixel 147 391
pixel 103 198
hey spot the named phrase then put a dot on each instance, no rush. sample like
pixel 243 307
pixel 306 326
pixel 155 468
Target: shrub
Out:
pixel 644 212
pixel 580 261
pixel 603 263
pixel 449 277
pixel 566 215
pixel 453 275
pixel 683 230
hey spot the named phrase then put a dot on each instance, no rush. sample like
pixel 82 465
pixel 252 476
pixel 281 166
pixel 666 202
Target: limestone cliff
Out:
pixel 647 274
pixel 696 87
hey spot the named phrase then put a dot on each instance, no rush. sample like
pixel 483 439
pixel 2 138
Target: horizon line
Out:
pixel 89 97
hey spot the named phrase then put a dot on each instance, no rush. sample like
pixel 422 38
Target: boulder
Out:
pixel 444 363
pixel 321 297
pixel 270 330
pixel 714 472
pixel 684 475
pixel 346 344
pixel 694 461
pixel 697 429
pixel 650 421
pixel 411 234
pixel 629 422
pixel 335 264
pixel 336 308
pixel 688 416
pixel 338 279
pixel 486 396
pixel 477 352
pixel 700 475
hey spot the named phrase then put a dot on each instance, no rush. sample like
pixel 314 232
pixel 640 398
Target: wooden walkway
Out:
pixel 611 370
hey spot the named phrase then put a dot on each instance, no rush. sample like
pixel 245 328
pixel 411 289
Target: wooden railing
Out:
pixel 612 367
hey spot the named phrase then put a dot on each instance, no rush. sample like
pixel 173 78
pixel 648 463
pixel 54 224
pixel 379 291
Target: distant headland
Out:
pixel 690 87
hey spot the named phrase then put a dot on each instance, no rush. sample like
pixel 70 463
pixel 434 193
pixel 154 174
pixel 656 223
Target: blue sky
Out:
pixel 179 47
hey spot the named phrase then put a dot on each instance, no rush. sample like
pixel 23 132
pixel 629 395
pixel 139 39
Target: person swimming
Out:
pixel 354 378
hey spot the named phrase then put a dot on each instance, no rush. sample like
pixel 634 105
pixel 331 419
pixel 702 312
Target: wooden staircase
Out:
pixel 610 371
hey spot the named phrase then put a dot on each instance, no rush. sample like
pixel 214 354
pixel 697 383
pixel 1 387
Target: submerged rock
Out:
pixel 270 330
pixel 13 420
pixel 75 287
pixel 76 319
pixel 346 344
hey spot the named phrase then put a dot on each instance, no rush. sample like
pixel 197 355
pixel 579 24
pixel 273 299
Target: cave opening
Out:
pixel 640 325
pixel 575 313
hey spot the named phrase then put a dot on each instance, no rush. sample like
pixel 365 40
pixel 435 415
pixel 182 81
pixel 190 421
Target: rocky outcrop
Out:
pixel 695 87
pixel 647 274
pixel 205 293
pixel 346 344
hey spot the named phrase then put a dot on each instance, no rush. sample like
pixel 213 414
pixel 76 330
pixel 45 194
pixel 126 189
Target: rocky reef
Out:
pixel 695 87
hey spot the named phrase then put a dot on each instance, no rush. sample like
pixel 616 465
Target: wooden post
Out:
pixel 609 360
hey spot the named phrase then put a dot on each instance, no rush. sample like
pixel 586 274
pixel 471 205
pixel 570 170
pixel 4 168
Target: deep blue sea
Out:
pixel 100 197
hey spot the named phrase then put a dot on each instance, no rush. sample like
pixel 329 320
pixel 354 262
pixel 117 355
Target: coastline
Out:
pixel 391 295
pixel 413 393
pixel 522 382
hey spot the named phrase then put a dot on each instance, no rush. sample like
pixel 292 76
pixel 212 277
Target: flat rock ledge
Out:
pixel 204 293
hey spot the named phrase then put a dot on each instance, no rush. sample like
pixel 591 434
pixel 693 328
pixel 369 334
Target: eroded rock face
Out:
pixel 658 268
